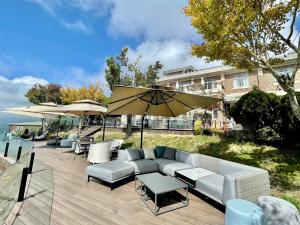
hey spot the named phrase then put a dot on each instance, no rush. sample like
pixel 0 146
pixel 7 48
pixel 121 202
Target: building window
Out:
pixel 241 80
pixel 210 84
pixel 284 71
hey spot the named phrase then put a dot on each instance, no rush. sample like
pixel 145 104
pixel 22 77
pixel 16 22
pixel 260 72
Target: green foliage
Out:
pixel 268 118
pixel 197 127
pixel 44 93
pixel 120 71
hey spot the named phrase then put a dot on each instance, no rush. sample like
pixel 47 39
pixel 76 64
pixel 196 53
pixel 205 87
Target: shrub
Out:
pixel 197 127
pixel 267 117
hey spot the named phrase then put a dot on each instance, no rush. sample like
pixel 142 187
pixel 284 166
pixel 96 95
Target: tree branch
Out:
pixel 293 20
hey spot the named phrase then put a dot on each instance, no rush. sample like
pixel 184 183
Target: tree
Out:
pixel 93 92
pixel 120 71
pixel 44 93
pixel 248 35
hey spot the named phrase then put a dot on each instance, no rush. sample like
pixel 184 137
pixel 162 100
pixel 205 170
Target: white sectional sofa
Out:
pixel 221 181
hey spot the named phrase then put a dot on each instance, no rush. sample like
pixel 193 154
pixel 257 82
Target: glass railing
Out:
pixel 10 178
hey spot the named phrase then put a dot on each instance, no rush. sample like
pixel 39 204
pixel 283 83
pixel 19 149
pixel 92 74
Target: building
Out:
pixel 226 82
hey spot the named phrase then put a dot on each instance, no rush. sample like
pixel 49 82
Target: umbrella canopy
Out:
pixel 83 108
pixel 156 101
pixel 23 113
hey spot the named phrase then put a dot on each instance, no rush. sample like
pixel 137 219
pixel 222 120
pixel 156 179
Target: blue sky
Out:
pixel 67 41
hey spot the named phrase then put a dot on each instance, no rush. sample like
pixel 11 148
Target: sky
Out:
pixel 67 41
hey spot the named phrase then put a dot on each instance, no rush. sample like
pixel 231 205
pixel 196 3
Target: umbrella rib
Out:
pixel 142 95
pixel 149 104
pixel 170 109
pixel 122 106
pixel 180 102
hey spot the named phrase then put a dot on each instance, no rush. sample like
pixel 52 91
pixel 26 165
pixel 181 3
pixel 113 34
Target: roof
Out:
pixel 180 69
pixel 212 70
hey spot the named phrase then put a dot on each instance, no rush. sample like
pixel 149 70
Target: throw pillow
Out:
pixel 159 151
pixel 169 153
pixel 149 153
pixel 133 154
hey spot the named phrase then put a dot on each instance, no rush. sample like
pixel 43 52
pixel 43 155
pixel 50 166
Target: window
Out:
pixel 285 71
pixel 210 84
pixel 241 80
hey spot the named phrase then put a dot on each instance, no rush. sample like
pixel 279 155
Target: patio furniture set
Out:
pixel 165 170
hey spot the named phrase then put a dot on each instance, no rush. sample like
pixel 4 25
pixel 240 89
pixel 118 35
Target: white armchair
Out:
pixel 69 141
pixel 99 153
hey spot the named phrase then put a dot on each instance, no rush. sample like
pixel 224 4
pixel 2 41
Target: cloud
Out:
pixel 77 25
pixel 171 53
pixel 155 19
pixel 12 92
pixel 52 7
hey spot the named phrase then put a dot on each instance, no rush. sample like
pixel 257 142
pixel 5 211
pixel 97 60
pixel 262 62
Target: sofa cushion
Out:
pixel 169 167
pixel 207 162
pixel 110 171
pixel 149 153
pixel 227 167
pixel 159 151
pixel 133 154
pixel 144 166
pixel 212 185
pixel 169 153
pixel 186 157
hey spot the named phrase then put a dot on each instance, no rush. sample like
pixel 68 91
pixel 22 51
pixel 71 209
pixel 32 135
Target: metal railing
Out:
pixel 19 155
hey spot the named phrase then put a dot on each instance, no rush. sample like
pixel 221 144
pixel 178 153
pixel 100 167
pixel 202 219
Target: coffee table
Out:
pixel 158 185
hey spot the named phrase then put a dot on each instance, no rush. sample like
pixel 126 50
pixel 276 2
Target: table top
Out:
pixel 160 184
pixel 195 173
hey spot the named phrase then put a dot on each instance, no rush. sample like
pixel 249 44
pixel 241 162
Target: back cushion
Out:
pixel 122 155
pixel 185 157
pixel 169 153
pixel 133 154
pixel 159 151
pixel 208 162
pixel 227 167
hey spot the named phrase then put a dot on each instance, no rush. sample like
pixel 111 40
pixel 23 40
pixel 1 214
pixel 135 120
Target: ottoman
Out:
pixel 242 212
pixel 278 211
pixel 110 172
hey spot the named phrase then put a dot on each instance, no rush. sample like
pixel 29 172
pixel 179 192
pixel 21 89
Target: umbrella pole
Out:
pixel 142 131
pixel 103 133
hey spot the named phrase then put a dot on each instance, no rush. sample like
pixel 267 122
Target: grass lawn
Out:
pixel 283 166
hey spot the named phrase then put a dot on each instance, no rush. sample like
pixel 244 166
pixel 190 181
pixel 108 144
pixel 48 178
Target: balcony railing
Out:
pixel 16 153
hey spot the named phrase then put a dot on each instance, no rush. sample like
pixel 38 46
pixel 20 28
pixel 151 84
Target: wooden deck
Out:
pixel 78 202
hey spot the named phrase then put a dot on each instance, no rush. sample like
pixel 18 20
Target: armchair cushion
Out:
pixel 144 166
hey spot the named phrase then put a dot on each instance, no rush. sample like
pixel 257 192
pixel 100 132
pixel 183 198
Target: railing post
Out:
pixel 19 153
pixel 23 184
pixel 31 162
pixel 6 149
pixel 168 124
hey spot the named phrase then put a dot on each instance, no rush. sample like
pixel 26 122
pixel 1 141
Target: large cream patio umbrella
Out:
pixel 83 108
pixel 42 111
pixel 156 101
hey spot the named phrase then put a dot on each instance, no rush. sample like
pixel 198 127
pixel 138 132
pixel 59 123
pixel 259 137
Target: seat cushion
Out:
pixel 144 166
pixel 211 185
pixel 169 167
pixel 110 171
